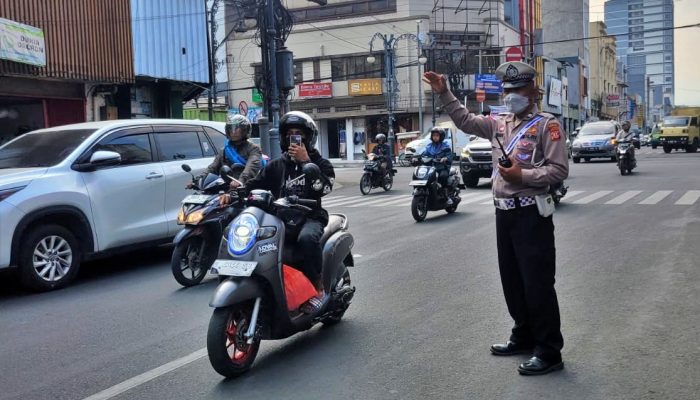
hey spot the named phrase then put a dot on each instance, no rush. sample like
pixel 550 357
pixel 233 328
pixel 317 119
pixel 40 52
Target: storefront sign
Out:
pixel 614 100
pixel 22 43
pixel 364 87
pixel 323 90
pixel 554 98
pixel 488 83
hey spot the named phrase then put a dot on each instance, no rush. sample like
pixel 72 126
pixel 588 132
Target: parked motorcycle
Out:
pixel 427 192
pixel 375 175
pixel 250 304
pixel 204 218
pixel 624 157
pixel 558 191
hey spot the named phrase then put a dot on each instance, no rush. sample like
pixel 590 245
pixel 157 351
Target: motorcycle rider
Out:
pixel 279 177
pixel 238 150
pixel 437 148
pixel 382 151
pixel 624 135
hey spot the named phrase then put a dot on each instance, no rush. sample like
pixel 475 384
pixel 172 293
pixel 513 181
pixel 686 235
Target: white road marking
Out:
pixel 348 201
pixel 384 200
pixel 689 198
pixel 478 198
pixel 572 193
pixel 624 197
pixel 147 376
pixel 592 197
pixel 656 197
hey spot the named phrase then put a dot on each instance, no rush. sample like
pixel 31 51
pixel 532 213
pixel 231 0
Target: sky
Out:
pixel 687 57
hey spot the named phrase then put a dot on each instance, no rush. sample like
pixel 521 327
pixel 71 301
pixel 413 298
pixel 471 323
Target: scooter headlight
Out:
pixel 421 172
pixel 242 234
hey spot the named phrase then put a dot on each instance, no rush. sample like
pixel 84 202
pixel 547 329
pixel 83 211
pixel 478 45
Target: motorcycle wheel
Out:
pixel 188 265
pixel 366 183
pixel 622 170
pixel 388 182
pixel 229 354
pixel 336 316
pixel 419 208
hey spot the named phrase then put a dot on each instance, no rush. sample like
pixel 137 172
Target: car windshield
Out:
pixel 675 121
pixel 41 149
pixel 592 130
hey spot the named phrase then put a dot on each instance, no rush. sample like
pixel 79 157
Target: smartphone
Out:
pixel 295 139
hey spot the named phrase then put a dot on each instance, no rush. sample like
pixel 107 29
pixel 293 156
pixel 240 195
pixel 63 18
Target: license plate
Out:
pixel 233 268
pixel 196 199
pixel 418 183
pixel 592 148
pixel 485 166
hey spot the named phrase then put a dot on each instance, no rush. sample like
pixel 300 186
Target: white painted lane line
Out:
pixel 469 196
pixel 592 197
pixel 572 193
pixel 624 197
pixel 333 198
pixel 689 198
pixel 346 202
pixel 475 199
pixel 339 199
pixel 147 376
pixel 409 198
pixel 656 197
pixel 384 200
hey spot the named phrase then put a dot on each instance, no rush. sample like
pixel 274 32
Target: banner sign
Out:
pixel 22 43
pixel 322 90
pixel 554 98
pixel 488 83
pixel 364 87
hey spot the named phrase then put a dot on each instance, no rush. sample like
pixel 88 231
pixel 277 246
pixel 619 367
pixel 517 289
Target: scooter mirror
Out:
pixel 312 171
pixel 186 168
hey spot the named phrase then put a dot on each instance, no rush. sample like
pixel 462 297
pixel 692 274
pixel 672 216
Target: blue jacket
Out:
pixel 438 151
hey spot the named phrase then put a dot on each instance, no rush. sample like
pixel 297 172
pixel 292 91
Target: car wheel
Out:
pixel 587 159
pixel 667 149
pixel 613 159
pixel 577 160
pixel 49 258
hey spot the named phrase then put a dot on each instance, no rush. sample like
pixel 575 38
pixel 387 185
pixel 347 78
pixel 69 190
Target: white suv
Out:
pixel 74 192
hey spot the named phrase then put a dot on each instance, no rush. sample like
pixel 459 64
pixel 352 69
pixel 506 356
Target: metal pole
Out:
pixel 274 90
pixel 432 92
pixel 212 60
pixel 481 104
pixel 420 85
pixel 389 61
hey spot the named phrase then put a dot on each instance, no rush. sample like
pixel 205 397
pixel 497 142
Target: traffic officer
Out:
pixel 535 145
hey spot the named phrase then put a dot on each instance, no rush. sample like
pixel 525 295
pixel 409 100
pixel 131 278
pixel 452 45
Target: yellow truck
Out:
pixel 681 130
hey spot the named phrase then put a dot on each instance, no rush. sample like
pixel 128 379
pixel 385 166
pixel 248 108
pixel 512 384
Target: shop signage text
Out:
pixel 323 90
pixel 22 43
pixel 364 87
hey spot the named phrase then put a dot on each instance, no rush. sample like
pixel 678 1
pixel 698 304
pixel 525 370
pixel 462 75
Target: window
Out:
pixel 298 72
pixel 207 149
pixel 357 67
pixel 134 149
pixel 317 70
pixel 668 79
pixel 635 7
pixel 178 146
pixel 637 36
pixel 638 45
pixel 636 21
pixel 42 149
pixel 636 14
pixel 668 58
pixel 216 137
pixel 694 121
pixel 636 29
pixel 668 47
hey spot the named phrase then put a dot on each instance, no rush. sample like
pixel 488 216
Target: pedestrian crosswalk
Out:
pixel 578 197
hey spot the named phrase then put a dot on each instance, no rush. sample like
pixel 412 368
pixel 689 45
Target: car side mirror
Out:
pixel 472 138
pixel 312 171
pixel 186 168
pixel 103 158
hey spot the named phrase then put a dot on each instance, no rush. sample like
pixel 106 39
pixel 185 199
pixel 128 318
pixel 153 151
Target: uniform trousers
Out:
pixel 526 260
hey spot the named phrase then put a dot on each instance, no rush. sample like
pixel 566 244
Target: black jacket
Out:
pixel 277 177
pixel 381 150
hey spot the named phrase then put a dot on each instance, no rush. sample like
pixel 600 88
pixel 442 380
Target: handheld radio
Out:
pixel 503 160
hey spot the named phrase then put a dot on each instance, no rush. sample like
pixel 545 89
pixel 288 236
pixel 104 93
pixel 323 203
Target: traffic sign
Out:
pixel 480 96
pixel 514 54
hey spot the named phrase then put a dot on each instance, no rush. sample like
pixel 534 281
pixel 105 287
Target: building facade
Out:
pixel 51 65
pixel 346 94
pixel 605 100
pixel 564 25
pixel 645 46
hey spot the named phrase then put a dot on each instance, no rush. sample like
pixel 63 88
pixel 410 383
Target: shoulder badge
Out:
pixel 554 131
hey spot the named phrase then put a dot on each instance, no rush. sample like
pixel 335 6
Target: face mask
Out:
pixel 516 103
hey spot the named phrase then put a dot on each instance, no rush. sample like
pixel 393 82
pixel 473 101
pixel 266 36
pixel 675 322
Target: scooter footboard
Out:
pixel 234 291
pixel 335 251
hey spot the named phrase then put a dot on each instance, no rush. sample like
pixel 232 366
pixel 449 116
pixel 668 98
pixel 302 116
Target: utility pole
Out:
pixel 647 113
pixel 419 82
pixel 481 104
pixel 212 45
pixel 390 67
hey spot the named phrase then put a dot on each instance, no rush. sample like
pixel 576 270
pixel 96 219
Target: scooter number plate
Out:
pixel 418 183
pixel 196 199
pixel 233 268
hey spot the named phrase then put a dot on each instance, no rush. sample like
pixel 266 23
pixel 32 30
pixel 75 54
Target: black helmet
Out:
pixel 439 130
pixel 380 138
pixel 298 119
pixel 238 121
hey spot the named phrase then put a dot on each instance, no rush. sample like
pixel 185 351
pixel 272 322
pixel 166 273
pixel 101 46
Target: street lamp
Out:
pixel 389 43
